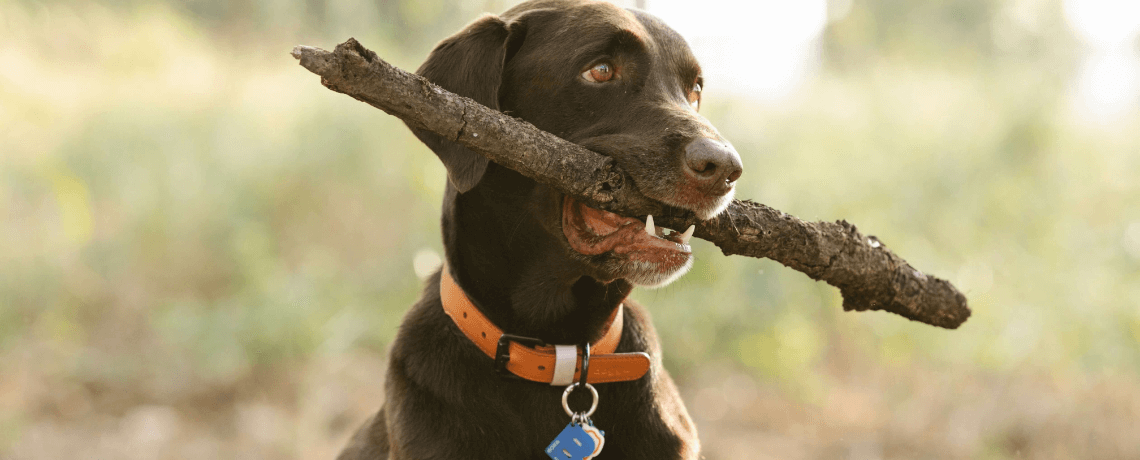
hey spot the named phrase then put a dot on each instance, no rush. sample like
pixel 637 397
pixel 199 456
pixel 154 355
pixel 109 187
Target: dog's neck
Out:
pixel 502 251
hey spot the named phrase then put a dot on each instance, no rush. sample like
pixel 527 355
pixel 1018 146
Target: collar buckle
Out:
pixel 503 351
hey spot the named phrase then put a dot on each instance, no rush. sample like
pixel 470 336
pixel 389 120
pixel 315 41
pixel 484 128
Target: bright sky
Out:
pixel 1104 23
pixel 1109 81
pixel 760 48
pixel 766 48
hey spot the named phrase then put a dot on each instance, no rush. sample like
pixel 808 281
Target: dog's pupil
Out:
pixel 602 72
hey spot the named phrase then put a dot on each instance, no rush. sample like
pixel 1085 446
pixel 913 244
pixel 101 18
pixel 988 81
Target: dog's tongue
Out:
pixel 593 231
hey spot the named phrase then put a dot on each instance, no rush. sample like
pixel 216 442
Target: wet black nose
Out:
pixel 713 165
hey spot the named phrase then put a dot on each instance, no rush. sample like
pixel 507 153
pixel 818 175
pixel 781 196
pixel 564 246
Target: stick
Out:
pixel 868 275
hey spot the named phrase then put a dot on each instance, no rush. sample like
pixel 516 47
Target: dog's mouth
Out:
pixel 657 254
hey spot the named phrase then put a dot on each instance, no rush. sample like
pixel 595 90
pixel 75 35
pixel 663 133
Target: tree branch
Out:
pixel 869 276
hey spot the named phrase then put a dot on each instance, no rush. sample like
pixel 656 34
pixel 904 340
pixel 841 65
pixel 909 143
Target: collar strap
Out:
pixel 542 363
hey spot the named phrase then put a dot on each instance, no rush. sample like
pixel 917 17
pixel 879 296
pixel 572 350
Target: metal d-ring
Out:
pixel 566 400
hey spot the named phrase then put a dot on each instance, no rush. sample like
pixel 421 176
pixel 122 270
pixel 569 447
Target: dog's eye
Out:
pixel 599 73
pixel 695 96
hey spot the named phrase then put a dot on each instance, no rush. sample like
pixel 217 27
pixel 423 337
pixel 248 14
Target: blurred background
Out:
pixel 204 253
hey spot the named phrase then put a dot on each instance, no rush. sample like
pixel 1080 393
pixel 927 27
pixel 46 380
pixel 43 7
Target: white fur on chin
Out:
pixel 717 207
pixel 646 274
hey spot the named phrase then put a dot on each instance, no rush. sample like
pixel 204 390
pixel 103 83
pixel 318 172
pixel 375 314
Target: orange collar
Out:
pixel 543 363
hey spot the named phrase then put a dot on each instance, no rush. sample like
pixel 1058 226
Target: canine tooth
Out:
pixel 688 234
pixel 649 226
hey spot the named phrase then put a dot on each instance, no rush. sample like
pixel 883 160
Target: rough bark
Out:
pixel 869 276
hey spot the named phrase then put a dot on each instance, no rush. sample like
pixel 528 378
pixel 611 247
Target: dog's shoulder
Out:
pixel 370 442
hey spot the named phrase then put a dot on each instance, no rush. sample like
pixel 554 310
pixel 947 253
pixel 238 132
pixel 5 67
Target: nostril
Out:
pixel 712 165
pixel 735 175
pixel 712 159
pixel 703 168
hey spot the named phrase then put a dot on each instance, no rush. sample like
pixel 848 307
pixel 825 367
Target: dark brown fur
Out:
pixel 505 246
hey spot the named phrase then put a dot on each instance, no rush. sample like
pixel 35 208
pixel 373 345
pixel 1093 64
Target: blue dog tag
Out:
pixel 575 442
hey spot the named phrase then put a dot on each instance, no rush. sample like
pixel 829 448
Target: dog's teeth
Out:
pixel 688 234
pixel 649 226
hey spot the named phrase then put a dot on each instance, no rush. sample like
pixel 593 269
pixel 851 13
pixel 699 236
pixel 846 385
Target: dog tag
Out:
pixel 575 442
pixel 599 438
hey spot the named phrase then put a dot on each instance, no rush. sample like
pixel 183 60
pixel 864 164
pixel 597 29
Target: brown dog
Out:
pixel 539 264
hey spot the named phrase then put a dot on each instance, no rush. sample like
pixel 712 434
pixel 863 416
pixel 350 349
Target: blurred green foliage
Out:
pixel 184 211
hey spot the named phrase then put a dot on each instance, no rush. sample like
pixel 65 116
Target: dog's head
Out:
pixel 618 82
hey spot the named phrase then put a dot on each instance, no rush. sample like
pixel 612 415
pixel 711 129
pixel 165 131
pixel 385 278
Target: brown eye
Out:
pixel 695 96
pixel 599 73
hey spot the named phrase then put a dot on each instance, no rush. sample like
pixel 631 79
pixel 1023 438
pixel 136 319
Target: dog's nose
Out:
pixel 713 164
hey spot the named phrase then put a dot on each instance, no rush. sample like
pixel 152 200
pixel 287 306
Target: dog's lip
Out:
pixel 593 231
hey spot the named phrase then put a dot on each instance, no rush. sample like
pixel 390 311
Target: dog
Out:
pixel 537 264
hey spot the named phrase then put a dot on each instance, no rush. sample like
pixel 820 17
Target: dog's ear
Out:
pixel 469 63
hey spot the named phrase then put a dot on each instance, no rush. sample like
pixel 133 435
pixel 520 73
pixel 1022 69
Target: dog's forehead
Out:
pixel 670 43
pixel 608 14
pixel 589 25
pixel 583 22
